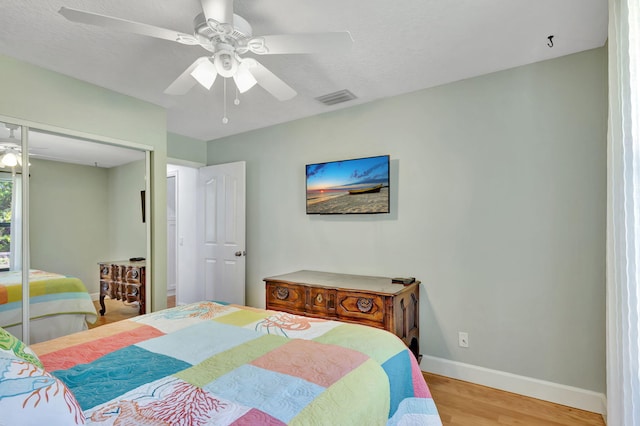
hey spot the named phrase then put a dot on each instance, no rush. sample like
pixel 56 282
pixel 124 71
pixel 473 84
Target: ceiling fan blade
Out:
pixel 185 81
pixel 305 43
pixel 269 81
pixel 220 11
pixel 90 18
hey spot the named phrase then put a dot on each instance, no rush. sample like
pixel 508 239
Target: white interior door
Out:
pixel 221 232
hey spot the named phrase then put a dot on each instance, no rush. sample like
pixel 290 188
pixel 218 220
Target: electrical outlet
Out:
pixel 463 339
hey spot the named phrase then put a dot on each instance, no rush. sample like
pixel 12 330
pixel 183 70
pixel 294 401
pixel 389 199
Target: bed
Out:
pixel 214 363
pixel 59 305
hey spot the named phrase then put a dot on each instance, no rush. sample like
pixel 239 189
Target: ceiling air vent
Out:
pixel 337 97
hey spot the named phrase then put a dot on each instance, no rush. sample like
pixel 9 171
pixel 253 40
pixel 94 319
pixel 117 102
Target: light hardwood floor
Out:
pixel 462 403
pixel 459 403
pixel 117 310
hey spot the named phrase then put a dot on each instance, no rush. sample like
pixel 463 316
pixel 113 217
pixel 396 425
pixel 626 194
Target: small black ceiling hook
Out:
pixel 550 38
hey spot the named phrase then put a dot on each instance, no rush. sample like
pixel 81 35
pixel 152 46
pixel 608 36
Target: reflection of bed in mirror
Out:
pixel 59 305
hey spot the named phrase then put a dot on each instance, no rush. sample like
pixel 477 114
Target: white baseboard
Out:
pixel 548 391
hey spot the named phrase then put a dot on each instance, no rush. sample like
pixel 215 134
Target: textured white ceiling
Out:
pixel 399 47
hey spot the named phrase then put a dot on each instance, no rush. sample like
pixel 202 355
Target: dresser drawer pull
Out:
pixel 364 304
pixel 282 293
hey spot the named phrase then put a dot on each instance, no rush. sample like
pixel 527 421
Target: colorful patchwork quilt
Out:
pixel 49 294
pixel 212 363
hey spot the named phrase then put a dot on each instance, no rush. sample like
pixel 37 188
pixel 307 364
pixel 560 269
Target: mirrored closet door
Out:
pixel 85 204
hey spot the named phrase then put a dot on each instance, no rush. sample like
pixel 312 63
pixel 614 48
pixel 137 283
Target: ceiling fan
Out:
pixel 10 148
pixel 226 36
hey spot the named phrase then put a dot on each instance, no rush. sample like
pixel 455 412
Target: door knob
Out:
pixel 241 253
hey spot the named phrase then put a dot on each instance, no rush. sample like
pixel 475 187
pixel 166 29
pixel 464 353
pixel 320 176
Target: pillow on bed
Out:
pixel 12 345
pixel 31 396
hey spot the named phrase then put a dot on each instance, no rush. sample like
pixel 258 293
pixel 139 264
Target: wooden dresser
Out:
pixel 123 280
pixel 373 301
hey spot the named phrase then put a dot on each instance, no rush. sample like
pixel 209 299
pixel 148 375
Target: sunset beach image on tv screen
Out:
pixel 357 186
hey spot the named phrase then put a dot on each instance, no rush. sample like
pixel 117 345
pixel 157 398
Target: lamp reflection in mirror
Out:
pixel 11 159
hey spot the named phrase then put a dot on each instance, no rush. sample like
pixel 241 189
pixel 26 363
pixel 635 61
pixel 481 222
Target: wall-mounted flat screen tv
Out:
pixel 357 186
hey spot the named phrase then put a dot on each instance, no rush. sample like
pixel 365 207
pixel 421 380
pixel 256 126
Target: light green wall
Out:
pixel 68 221
pixel 82 215
pixel 498 206
pixel 127 232
pixel 186 148
pixel 33 95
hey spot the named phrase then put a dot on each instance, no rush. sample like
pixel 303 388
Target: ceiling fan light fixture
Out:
pixel 205 74
pixel 244 79
pixel 225 63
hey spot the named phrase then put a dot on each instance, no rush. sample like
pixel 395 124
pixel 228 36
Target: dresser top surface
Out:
pixel 346 281
pixel 138 264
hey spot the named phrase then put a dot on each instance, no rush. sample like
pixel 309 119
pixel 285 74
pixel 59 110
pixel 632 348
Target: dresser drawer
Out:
pixel 287 296
pixel 321 301
pixel 361 307
pixel 115 290
pixel 105 272
pixel 104 286
pixel 132 292
pixel 116 272
pixel 131 274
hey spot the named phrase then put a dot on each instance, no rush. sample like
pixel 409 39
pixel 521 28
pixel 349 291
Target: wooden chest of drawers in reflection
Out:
pixel 123 280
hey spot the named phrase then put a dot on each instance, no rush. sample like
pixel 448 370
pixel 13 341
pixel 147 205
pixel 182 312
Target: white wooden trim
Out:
pixel 171 289
pixel 185 163
pixel 149 221
pixel 25 244
pixel 548 391
pixel 77 134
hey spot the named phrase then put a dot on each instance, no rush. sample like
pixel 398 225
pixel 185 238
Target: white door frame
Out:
pixel 175 174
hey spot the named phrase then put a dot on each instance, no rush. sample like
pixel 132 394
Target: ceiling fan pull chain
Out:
pixel 236 101
pixel 225 120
